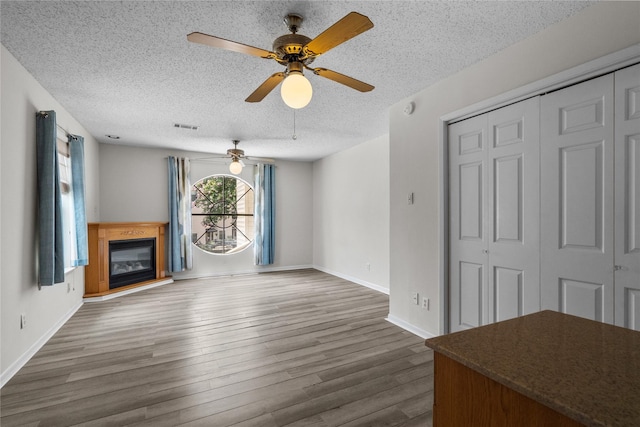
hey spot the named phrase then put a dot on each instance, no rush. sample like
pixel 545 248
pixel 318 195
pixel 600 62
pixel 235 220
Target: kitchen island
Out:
pixel 543 369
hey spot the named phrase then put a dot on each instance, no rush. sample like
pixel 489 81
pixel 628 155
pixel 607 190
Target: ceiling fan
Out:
pixel 295 52
pixel 237 156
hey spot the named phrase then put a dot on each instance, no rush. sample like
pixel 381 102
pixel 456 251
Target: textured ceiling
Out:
pixel 126 67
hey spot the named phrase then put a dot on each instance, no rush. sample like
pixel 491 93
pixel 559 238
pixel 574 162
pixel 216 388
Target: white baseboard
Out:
pixel 258 270
pixel 354 280
pixel 409 327
pixel 128 291
pixel 22 360
pixel 286 268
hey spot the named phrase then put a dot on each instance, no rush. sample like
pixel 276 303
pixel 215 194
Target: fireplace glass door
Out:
pixel 131 261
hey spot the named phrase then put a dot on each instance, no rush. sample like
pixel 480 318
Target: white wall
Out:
pixel 46 309
pixel 351 214
pixel 133 187
pixel 414 140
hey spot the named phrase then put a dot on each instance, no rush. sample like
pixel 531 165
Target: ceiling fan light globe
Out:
pixel 296 91
pixel 235 167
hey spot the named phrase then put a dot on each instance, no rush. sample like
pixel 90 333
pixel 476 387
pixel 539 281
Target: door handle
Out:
pixel 619 268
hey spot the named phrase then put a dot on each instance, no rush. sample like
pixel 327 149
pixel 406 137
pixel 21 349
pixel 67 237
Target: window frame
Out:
pixel 65 179
pixel 248 234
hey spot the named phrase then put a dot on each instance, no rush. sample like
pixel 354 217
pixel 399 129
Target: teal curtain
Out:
pixel 180 248
pixel 76 150
pixel 264 215
pixel 50 246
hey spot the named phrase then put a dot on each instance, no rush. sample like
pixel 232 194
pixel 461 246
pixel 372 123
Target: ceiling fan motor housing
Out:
pixel 235 152
pixel 290 47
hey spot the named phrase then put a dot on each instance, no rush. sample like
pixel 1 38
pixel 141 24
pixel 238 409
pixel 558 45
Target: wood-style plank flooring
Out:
pixel 297 348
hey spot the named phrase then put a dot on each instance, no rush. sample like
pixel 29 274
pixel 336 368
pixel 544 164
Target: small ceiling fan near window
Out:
pixel 296 52
pixel 237 158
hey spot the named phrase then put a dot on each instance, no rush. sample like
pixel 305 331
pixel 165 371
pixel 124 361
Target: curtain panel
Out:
pixel 50 244
pixel 264 215
pixel 180 248
pixel 76 149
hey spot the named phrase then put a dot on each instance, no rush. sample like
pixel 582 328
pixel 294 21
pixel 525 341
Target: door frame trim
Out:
pixel 589 70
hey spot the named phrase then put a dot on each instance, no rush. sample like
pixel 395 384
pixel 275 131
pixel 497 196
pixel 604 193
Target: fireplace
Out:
pixel 123 256
pixel 131 261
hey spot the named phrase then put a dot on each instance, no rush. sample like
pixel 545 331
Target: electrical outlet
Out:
pixel 415 298
pixel 410 198
pixel 368 266
pixel 425 303
pixel 23 320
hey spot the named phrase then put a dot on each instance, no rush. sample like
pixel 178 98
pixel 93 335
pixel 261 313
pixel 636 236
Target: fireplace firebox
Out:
pixel 131 261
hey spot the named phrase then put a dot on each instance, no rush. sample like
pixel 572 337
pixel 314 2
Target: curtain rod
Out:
pixel 69 134
pixel 226 159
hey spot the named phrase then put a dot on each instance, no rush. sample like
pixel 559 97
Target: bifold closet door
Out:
pixel 577 167
pixel 468 257
pixel 514 210
pixel 627 198
pixel 494 214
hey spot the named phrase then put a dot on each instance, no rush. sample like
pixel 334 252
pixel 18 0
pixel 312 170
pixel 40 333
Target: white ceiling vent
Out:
pixel 183 126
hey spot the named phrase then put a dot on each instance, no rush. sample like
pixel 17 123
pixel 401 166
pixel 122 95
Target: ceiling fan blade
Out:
pixel 345 80
pixel 229 45
pixel 266 87
pixel 346 28
pixel 260 159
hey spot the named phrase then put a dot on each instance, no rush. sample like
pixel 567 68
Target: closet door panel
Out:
pixel 507 191
pixel 514 250
pixel 471 291
pixel 627 202
pixel 494 216
pixel 508 293
pixel 467 238
pixel 577 167
pixel 581 193
pixel 471 201
pixel 582 299
pixel 628 314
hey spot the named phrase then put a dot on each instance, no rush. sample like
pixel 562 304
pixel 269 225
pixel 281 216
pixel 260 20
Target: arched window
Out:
pixel 222 214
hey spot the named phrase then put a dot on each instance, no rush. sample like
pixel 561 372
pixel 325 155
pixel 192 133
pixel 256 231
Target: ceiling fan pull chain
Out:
pixel 294 136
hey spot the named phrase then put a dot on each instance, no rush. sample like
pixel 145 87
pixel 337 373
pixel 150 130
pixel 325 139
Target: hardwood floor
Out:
pixel 298 348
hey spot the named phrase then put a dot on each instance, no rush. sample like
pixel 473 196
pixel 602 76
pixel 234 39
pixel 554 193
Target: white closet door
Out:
pixel 577 200
pixel 627 197
pixel 494 211
pixel 514 210
pixel 467 243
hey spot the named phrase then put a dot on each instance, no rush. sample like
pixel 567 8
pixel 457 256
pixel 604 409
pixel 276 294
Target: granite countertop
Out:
pixel 586 370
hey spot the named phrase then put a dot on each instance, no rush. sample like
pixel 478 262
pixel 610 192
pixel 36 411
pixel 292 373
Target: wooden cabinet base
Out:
pixel 464 397
pixel 100 234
